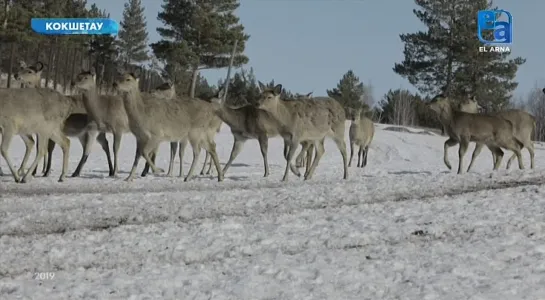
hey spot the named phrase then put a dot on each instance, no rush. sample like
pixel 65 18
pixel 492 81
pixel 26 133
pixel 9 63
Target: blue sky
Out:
pixel 307 45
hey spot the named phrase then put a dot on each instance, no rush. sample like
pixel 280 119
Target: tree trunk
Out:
pixel 11 61
pixel 194 83
pixel 65 74
pixel 56 64
pixel 7 6
pixel 49 61
pixel 38 52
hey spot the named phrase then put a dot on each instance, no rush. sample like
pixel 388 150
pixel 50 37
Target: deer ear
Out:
pixel 22 64
pixel 277 89
pixel 309 95
pixel 262 86
pixel 221 93
pixel 92 71
pixel 136 73
pixel 39 66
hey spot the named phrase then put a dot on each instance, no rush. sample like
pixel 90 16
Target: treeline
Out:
pixel 63 56
pixel 198 35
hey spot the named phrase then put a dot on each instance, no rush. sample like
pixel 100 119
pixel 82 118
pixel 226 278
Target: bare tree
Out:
pixel 398 108
pixel 368 97
pixel 535 104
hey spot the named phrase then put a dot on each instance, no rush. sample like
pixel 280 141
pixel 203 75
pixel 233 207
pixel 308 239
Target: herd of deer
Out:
pixel 164 116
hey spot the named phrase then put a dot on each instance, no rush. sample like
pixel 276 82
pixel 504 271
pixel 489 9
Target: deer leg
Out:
pixel 237 147
pixel 319 145
pixel 360 155
pixel 293 168
pixel 476 152
pixel 150 149
pixel 64 143
pixel 29 143
pixel 137 156
pixel 153 155
pixel 264 147
pixel 210 147
pixel 498 154
pixel 44 166
pixel 173 149
pixel 352 146
pixel 209 171
pixel 206 158
pixel 289 157
pixel 448 143
pixel 42 142
pixel 86 140
pixel 341 144
pixel 464 143
pixel 48 157
pixel 519 157
pixel 35 170
pixel 365 154
pixel 103 141
pixel 117 144
pixel 196 152
pixel 7 136
pixel 300 160
pixel 183 144
pixel 286 149
pixel 309 160
pixel 530 147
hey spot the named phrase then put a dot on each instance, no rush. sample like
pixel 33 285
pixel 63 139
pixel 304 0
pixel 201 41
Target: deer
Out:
pixel 28 140
pixel 40 111
pixel 361 133
pixel 524 123
pixel 305 120
pixel 307 149
pixel 247 122
pixel 107 111
pixel 463 128
pixel 167 91
pixel 77 125
pixel 153 120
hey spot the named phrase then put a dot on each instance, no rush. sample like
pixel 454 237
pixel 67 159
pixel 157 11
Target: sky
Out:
pixel 307 45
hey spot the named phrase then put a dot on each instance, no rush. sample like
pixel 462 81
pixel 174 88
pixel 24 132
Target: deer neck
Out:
pixel 34 84
pixel 230 116
pixel 134 105
pixel 281 112
pixel 90 99
pixel 445 116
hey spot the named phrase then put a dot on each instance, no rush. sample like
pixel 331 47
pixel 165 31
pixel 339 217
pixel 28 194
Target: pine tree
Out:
pixel 444 58
pixel 133 37
pixel 200 35
pixel 350 92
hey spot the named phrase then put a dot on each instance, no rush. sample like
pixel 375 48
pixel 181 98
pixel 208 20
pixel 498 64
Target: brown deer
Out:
pixel 107 111
pixel 305 120
pixel 524 124
pixel 361 133
pixel 77 125
pixel 39 111
pixel 463 128
pixel 154 120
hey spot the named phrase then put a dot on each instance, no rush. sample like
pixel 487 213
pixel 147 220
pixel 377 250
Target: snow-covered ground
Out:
pixel 402 228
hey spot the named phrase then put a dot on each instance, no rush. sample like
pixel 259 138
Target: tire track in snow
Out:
pixel 142 216
pixel 250 250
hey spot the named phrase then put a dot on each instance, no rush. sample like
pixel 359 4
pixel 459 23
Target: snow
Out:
pixel 403 227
